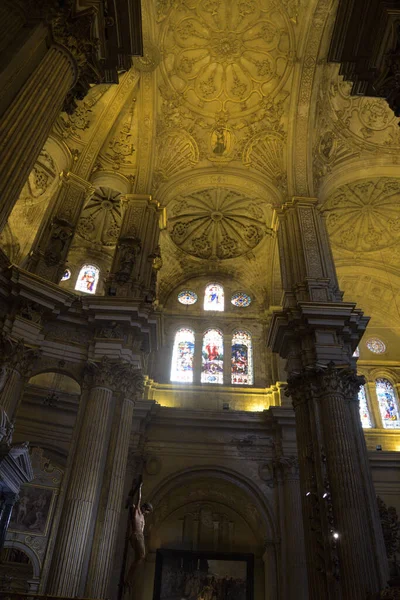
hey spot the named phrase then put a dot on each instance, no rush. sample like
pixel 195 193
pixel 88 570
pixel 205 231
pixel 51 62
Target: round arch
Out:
pixel 31 554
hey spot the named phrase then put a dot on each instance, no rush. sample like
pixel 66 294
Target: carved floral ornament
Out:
pixel 216 223
pixel 363 216
pixel 225 55
pixel 101 218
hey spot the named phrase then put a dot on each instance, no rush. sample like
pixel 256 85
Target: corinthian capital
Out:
pixel 101 373
pixel 15 355
pixel 130 381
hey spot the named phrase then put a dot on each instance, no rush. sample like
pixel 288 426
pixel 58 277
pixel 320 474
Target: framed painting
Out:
pixel 182 575
pixel 31 514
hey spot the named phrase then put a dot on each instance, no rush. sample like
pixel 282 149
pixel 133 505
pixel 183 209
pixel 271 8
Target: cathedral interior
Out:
pixel 200 293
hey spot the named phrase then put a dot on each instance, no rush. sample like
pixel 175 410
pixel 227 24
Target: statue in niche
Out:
pixel 130 250
pixel 137 515
pixel 220 141
pixel 61 232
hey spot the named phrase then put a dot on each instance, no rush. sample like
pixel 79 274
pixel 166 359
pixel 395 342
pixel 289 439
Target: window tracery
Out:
pixel 241 359
pixel 241 299
pixel 182 356
pixel 214 297
pixel 88 279
pixel 212 366
pixel 388 403
pixel 187 297
pixel 376 346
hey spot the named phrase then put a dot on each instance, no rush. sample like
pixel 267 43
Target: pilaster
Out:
pixel 15 363
pixel 137 258
pixel 51 246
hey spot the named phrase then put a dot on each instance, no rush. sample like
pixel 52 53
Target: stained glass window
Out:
pixel 187 297
pixel 240 299
pixel 66 276
pixel 214 297
pixel 87 279
pixel 364 410
pixel 387 404
pixel 212 367
pixel 182 356
pixel 376 346
pixel 241 359
pixel 356 353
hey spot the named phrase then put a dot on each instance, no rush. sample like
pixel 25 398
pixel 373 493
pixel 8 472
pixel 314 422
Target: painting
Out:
pixel 31 514
pixel 221 143
pixel 182 575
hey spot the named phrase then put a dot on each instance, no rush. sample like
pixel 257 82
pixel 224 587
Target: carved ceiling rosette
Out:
pixel 227 56
pixel 363 216
pixel 216 223
pixel 101 217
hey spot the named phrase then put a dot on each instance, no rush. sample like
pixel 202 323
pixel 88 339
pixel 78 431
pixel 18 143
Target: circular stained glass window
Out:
pixel 376 346
pixel 187 297
pixel 240 299
pixel 66 276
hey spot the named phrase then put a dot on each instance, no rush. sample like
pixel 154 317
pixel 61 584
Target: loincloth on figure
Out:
pixel 137 540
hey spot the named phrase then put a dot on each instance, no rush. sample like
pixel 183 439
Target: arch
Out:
pixel 212 357
pixel 182 356
pixel 56 380
pixel 260 519
pixel 31 554
pixel 242 358
pixel 87 279
pixel 388 403
pixel 214 297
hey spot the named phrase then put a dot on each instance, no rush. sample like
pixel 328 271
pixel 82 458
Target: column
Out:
pixel 297 588
pixel 137 257
pixel 375 413
pixel 79 511
pixel 101 563
pixel 317 333
pixel 15 363
pixel 197 359
pixel 26 124
pixel 227 358
pixel 7 501
pixel 51 246
pixel 270 572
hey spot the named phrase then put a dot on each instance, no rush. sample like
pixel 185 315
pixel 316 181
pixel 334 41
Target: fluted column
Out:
pixel 101 562
pixel 79 511
pixel 297 588
pixel 26 124
pixel 317 333
pixel 137 258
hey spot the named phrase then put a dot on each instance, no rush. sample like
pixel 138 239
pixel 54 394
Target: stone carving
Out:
pixel 362 216
pixel 101 218
pixel 391 528
pixel 15 355
pixel 129 250
pixel 114 332
pixel 225 55
pixel 31 311
pixel 212 224
pixel 60 234
pixel 265 153
pixel 150 59
pixel 121 149
pixel 312 250
pixel 176 150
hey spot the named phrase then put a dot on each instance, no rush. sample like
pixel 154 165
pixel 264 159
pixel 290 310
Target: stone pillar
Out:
pixel 297 588
pixel 7 501
pixel 26 124
pixel 79 511
pixel 52 243
pixel 101 563
pixel 137 257
pixel 197 359
pixel 15 363
pixel 317 333
pixel 227 358
pixel 270 572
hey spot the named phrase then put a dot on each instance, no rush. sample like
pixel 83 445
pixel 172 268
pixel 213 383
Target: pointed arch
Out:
pixel 242 358
pixel 182 356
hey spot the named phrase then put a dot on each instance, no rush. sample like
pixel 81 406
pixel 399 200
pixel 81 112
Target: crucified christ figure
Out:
pixel 136 538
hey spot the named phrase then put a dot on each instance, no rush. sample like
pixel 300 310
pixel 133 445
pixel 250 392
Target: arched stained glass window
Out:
pixel 66 276
pixel 182 356
pixel 214 297
pixel 242 359
pixel 212 364
pixel 88 279
pixel 387 403
pixel 364 410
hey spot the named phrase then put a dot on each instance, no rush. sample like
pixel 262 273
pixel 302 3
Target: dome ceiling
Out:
pixel 216 223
